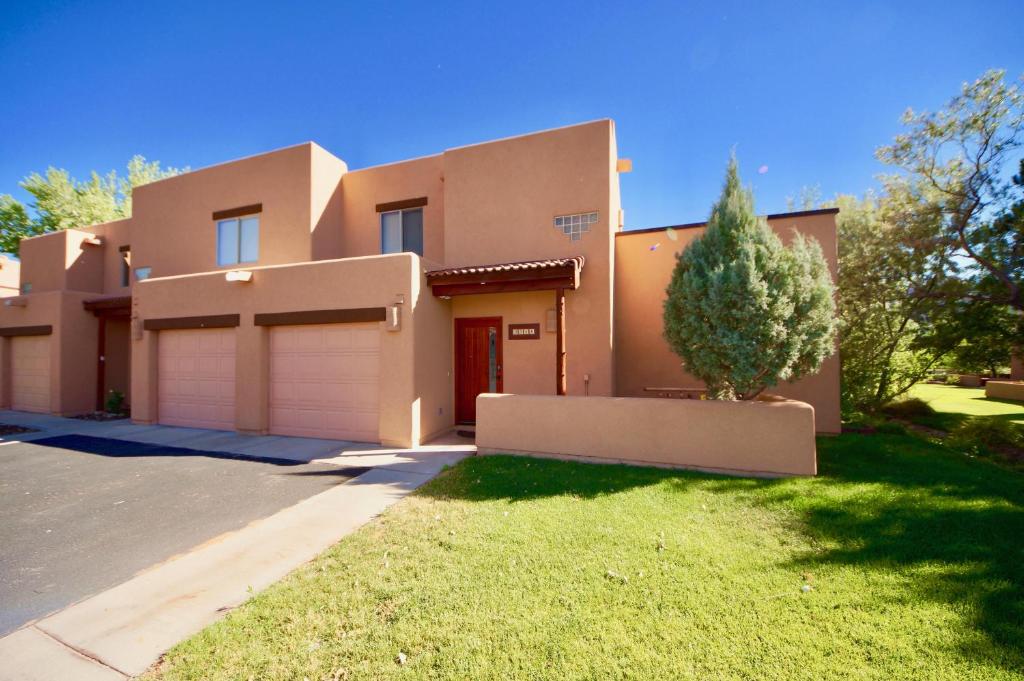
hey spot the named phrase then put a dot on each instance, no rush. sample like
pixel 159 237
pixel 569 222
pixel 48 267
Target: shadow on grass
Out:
pixel 882 503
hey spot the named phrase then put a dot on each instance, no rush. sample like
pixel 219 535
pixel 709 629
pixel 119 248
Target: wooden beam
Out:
pixel 560 386
pixel 501 287
pixel 214 321
pixel 251 209
pixel 12 331
pixel 353 315
pixel 503 275
pixel 401 205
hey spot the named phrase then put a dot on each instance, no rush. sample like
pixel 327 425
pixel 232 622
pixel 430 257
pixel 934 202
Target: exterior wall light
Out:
pixel 17 301
pixel 238 275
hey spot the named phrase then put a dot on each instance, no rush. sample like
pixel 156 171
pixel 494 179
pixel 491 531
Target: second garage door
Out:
pixel 324 381
pixel 196 378
pixel 30 373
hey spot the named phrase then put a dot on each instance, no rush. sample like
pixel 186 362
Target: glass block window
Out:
pixel 574 226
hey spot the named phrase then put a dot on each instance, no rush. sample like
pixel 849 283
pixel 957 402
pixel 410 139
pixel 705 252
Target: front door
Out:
pixel 477 363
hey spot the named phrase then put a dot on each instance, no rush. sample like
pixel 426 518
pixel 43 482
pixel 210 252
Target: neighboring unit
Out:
pixel 286 294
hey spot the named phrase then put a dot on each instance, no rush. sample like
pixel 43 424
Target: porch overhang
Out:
pixel 109 306
pixel 532 275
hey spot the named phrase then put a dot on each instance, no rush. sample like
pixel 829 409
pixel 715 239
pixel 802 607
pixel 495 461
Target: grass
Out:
pixel 954 404
pixel 903 559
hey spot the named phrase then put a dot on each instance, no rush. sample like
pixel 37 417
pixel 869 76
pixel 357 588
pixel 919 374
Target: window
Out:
pixel 26 287
pixel 402 231
pixel 238 240
pixel 142 273
pixel 573 226
pixel 126 267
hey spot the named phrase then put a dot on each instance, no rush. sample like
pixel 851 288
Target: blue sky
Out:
pixel 806 89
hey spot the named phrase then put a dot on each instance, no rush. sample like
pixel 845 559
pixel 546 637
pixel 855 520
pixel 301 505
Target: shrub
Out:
pixel 952 379
pixel 907 408
pixel 743 311
pixel 980 434
pixel 115 402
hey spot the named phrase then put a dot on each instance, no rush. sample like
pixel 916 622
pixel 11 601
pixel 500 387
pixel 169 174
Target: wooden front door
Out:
pixel 477 363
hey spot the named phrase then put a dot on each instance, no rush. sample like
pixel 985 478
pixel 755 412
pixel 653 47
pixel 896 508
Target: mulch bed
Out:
pixel 100 416
pixel 6 429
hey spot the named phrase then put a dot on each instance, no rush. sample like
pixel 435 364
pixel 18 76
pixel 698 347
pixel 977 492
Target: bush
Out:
pixel 908 408
pixel 115 402
pixel 952 379
pixel 743 311
pixel 981 434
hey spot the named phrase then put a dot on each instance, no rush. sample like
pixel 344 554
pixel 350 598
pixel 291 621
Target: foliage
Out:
pixel 952 379
pixel 980 435
pixel 989 333
pixel 743 311
pixel 62 202
pixel 910 406
pixel 881 325
pixel 115 402
pixel 957 203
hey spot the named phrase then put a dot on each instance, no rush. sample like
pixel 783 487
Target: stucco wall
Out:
pixel 115 235
pixel 1005 390
pixel 73 346
pixel 501 199
pixel 173 230
pixel 758 438
pixel 363 189
pixel 644 262
pixel 332 284
pixel 62 261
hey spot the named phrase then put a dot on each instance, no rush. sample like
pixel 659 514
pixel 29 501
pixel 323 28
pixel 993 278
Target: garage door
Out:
pixel 196 378
pixel 30 373
pixel 324 381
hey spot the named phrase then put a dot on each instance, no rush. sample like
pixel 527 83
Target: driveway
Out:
pixel 81 514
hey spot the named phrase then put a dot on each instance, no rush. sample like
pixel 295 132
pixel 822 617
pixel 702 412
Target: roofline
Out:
pixel 531 134
pixel 696 225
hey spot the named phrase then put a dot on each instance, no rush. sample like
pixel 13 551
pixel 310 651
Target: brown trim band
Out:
pixel 213 321
pixel 125 248
pixel 695 225
pixel 11 331
pixel 237 212
pixel 400 205
pixel 341 316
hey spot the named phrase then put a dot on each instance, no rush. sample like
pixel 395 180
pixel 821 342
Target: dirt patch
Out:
pixel 6 429
pixel 100 416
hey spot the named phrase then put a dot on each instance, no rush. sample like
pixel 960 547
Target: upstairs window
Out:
pixel 238 240
pixel 142 273
pixel 402 231
pixel 126 266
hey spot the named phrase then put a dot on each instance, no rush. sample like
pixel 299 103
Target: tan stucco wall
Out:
pixel 173 230
pixel 61 261
pixel 73 345
pixel 757 438
pixel 326 171
pixel 363 189
pixel 114 234
pixel 644 262
pixel 501 199
pixel 376 281
pixel 1005 390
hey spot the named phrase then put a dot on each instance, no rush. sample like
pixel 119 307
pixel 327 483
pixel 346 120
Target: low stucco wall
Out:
pixel 1005 390
pixel 764 438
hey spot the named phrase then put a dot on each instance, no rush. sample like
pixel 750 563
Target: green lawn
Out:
pixel 517 568
pixel 954 404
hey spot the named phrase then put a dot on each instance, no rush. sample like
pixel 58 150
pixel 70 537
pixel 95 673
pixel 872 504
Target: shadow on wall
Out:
pixel 947 526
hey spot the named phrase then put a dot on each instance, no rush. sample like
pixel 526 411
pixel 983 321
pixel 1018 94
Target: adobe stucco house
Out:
pixel 284 293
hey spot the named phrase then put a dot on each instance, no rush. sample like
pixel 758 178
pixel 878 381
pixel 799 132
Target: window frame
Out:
pixel 237 219
pixel 401 213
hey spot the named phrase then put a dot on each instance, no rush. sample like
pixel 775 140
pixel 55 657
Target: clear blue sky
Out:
pixel 807 89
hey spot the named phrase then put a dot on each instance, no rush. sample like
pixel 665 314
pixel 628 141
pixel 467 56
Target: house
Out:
pixel 284 293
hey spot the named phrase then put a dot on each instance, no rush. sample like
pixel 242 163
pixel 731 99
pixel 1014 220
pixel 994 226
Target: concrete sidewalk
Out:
pixel 121 632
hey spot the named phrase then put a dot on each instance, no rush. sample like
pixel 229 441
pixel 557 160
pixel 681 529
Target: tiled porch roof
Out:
pixel 525 266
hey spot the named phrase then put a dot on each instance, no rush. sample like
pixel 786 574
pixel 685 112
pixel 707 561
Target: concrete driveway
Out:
pixel 82 514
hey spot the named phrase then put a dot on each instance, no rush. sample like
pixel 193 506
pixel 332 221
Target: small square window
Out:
pixel 26 287
pixel 142 273
pixel 573 226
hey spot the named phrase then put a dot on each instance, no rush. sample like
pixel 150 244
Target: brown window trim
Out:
pixel 213 321
pixel 341 316
pixel 124 249
pixel 237 212
pixel 401 205
pixel 11 331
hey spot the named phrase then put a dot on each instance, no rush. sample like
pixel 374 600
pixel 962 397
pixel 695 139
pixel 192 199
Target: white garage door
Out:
pixel 196 378
pixel 324 381
pixel 30 373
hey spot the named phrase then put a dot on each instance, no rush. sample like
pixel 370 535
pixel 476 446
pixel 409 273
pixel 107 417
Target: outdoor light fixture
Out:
pixel 239 275
pixel 15 302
